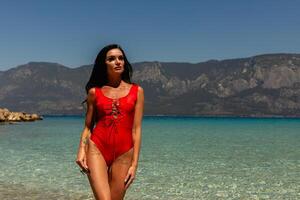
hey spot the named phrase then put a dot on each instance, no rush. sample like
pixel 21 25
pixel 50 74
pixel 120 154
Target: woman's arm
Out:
pixel 136 135
pixel 81 155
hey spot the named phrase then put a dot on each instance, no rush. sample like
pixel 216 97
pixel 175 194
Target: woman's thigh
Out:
pixel 98 175
pixel 117 175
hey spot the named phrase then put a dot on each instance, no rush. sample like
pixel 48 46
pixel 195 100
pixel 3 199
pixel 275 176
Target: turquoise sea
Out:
pixel 181 158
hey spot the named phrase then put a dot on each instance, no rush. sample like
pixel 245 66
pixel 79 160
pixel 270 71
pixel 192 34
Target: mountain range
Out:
pixel 259 86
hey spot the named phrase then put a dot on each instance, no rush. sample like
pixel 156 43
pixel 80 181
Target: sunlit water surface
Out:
pixel 181 158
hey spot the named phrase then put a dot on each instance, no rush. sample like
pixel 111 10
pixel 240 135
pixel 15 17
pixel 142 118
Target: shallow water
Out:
pixel 181 158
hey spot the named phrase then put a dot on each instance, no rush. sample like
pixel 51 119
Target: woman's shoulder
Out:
pixel 138 87
pixel 92 92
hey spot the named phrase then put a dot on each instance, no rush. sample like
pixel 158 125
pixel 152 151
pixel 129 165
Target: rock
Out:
pixel 7 116
pixel 2 118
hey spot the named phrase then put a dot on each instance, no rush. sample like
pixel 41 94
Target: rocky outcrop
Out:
pixel 7 116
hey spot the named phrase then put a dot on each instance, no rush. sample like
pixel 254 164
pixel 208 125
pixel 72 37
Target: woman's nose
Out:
pixel 118 61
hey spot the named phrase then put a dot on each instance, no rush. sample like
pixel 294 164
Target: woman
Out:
pixel 108 153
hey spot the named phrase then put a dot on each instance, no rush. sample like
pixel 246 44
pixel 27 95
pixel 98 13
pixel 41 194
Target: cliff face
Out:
pixel 259 85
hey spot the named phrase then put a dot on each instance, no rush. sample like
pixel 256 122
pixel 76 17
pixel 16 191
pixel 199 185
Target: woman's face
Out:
pixel 114 61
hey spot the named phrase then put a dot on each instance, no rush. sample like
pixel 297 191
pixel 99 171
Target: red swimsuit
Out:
pixel 113 131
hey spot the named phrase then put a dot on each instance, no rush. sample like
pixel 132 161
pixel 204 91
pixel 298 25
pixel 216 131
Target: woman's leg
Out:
pixel 117 175
pixel 98 176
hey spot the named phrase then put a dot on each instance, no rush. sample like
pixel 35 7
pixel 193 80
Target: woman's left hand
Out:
pixel 130 176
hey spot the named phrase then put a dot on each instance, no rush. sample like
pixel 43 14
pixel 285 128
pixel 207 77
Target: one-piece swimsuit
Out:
pixel 113 131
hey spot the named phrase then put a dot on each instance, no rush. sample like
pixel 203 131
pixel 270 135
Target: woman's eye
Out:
pixel 110 58
pixel 121 58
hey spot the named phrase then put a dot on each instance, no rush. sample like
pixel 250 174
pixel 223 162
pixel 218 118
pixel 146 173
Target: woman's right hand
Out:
pixel 81 159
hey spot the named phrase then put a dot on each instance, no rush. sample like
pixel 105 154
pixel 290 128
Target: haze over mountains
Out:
pixel 263 85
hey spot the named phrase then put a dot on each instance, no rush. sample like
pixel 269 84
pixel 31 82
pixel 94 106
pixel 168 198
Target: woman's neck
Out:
pixel 114 81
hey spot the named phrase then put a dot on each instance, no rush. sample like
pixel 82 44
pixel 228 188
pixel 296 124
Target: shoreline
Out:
pixel 199 116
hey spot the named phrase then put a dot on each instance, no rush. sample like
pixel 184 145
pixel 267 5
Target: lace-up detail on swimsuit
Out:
pixel 115 108
pixel 112 134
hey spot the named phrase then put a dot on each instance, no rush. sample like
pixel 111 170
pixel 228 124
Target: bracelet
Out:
pixel 85 141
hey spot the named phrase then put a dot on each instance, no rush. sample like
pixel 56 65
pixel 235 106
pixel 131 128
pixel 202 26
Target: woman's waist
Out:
pixel 111 121
pixel 107 133
pixel 112 127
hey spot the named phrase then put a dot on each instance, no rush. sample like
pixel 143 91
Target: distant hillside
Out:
pixel 264 85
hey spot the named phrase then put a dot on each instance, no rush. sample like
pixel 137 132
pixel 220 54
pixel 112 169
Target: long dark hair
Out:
pixel 99 74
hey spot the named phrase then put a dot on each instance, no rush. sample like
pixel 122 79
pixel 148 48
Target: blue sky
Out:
pixel 72 32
